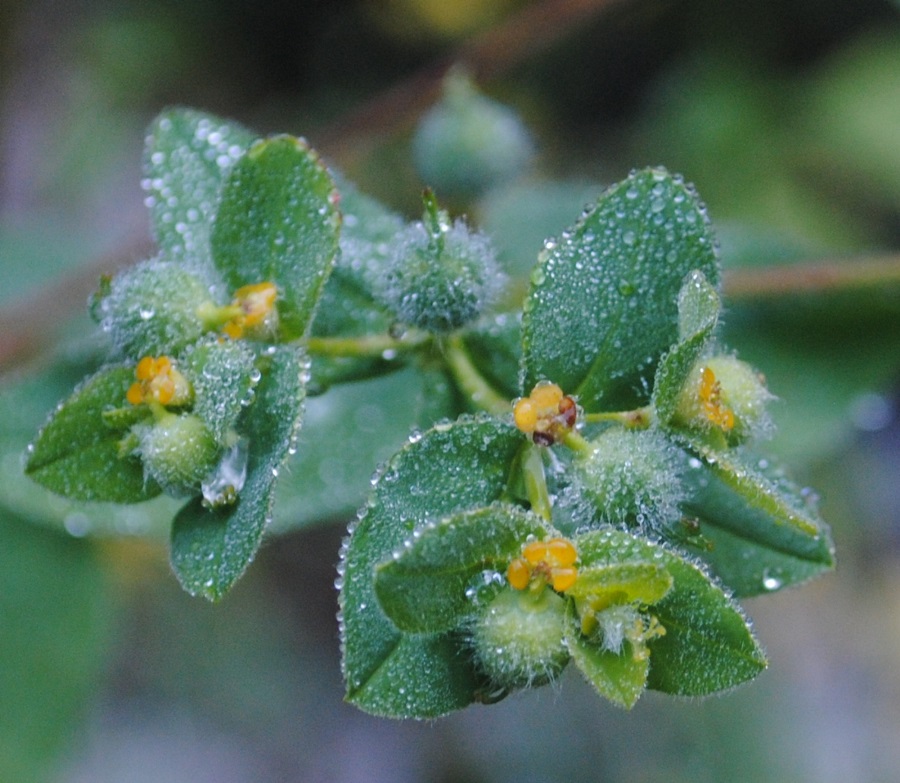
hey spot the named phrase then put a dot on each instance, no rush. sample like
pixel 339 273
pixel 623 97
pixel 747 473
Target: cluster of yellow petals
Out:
pixel 255 307
pixel 552 561
pixel 710 393
pixel 546 414
pixel 158 381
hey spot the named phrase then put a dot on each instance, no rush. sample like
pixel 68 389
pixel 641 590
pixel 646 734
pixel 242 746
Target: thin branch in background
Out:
pixel 484 57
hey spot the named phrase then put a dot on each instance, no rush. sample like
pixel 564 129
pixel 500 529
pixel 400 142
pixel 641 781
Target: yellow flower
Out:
pixel 551 561
pixel 546 414
pixel 158 381
pixel 255 306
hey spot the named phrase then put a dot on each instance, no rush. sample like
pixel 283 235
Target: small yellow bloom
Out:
pixel 551 561
pixel 546 414
pixel 158 381
pixel 256 309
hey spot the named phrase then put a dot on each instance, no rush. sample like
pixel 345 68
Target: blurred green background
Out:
pixel 786 116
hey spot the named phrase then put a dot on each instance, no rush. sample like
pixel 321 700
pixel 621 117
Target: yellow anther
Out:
pixel 158 381
pixel 518 574
pixel 710 393
pixel 552 561
pixel 525 414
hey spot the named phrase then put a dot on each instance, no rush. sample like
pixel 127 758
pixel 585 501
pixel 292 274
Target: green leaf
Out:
pixel 765 533
pixel 211 549
pixel 77 453
pixel 278 222
pixel 449 469
pixel 186 158
pixel 698 314
pixel 619 677
pixel 602 307
pixel 427 588
pixel 221 373
pixel 708 645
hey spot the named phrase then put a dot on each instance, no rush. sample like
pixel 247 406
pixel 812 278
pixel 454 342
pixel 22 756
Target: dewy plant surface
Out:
pixel 584 488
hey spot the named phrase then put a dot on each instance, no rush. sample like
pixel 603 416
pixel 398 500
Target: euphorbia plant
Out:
pixel 586 489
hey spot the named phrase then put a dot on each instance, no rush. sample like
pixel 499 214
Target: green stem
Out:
pixel 536 483
pixel 577 442
pixel 638 419
pixel 374 345
pixel 471 381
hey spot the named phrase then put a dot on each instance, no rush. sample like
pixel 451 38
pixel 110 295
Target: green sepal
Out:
pixel 708 645
pixel 447 470
pixel 77 453
pixel 278 222
pixel 620 583
pixel 186 158
pixel 698 314
pixel 618 676
pixel 430 586
pixel 211 548
pixel 763 533
pixel 602 306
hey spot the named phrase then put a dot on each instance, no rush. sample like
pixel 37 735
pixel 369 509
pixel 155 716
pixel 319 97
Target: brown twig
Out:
pixel 813 277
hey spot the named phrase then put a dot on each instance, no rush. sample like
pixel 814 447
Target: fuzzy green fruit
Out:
pixel 178 452
pixel 519 638
pixel 631 477
pixel 152 309
pixel 441 276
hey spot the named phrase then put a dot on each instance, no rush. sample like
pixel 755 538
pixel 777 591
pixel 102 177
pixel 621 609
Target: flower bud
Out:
pixel 468 143
pixel 519 638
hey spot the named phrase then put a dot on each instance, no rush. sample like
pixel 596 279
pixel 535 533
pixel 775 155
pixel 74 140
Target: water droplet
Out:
pixel 771 582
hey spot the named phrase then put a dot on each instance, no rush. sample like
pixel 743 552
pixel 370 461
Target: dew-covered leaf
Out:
pixel 698 314
pixel 448 470
pixel 429 588
pixel 278 222
pixel 222 374
pixel 76 453
pixel 763 532
pixel 186 158
pixel 707 645
pixel 211 548
pixel 618 676
pixel 602 307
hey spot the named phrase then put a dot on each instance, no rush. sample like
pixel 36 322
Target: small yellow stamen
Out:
pixel 710 394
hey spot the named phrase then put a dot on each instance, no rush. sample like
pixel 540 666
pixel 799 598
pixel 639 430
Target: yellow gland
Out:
pixel 255 306
pixel 710 394
pixel 552 561
pixel 158 381
pixel 546 414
